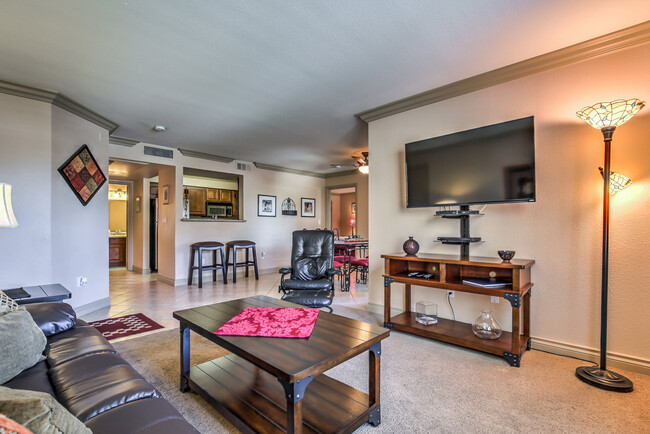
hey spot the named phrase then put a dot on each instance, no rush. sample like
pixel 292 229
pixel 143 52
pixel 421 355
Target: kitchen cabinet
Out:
pixel 117 252
pixel 225 196
pixel 197 198
pixel 212 194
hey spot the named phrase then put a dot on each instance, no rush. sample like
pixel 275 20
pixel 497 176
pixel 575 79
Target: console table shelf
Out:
pixel 447 272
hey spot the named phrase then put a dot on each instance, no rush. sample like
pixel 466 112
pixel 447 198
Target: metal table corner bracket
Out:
pixel 513 297
pixel 374 417
pixel 376 349
pixel 512 359
pixel 388 281
pixel 388 325
pixel 296 391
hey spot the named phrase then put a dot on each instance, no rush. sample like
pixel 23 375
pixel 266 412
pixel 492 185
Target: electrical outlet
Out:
pixel 451 294
pixel 263 255
pixel 494 299
pixel 82 281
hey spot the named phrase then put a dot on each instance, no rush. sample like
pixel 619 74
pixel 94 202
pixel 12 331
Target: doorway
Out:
pixel 119 231
pixel 343 215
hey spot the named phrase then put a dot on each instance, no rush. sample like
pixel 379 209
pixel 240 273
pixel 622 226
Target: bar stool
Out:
pixel 205 246
pixel 241 244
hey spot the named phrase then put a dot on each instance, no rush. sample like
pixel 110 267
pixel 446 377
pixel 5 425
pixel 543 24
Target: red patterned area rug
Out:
pixel 129 325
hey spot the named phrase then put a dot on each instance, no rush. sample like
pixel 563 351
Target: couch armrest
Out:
pixel 52 318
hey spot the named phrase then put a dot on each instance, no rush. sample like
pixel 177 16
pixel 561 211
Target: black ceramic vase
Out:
pixel 411 247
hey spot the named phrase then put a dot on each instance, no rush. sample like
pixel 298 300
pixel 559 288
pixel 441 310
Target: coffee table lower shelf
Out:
pixel 254 401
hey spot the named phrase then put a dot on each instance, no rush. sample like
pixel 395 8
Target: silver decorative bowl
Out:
pixel 506 255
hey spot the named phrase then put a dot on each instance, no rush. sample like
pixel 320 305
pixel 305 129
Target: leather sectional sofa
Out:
pixel 84 373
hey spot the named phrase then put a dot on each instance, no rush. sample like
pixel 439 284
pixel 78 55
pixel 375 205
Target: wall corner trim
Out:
pixel 609 43
pixel 59 100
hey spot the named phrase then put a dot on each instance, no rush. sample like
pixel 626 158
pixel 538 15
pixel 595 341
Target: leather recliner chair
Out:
pixel 311 280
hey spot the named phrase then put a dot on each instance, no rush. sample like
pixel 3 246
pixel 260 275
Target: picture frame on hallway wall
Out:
pixel 165 194
pixel 266 205
pixel 353 207
pixel 83 175
pixel 307 207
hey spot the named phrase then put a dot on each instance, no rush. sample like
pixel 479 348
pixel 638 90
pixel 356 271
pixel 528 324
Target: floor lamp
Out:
pixel 606 116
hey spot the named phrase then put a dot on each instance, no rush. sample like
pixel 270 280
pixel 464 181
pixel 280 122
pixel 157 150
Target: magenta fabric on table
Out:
pixel 276 322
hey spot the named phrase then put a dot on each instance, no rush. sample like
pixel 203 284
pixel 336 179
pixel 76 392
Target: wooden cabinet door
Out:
pixel 212 194
pixel 225 196
pixel 117 252
pixel 197 198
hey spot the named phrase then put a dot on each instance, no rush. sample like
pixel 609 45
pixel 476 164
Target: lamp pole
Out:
pixel 608 133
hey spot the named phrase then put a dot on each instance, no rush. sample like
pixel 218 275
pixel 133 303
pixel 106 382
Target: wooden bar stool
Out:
pixel 241 244
pixel 201 247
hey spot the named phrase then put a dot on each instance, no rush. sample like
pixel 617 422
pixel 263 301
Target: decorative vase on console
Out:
pixel 411 247
pixel 486 326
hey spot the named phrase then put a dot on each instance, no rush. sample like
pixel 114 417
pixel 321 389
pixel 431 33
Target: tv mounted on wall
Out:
pixel 492 164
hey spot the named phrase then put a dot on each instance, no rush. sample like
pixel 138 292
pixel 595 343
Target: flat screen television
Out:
pixel 492 164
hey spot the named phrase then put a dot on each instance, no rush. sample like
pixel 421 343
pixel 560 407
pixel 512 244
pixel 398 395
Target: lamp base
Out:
pixel 604 379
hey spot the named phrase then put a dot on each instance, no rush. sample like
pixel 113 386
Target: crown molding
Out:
pixel 122 141
pixel 59 100
pixel 205 156
pixel 287 170
pixel 619 40
pixel 346 173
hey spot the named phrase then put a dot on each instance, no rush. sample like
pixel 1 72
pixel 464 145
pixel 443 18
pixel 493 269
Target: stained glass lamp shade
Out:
pixel 617 182
pixel 610 114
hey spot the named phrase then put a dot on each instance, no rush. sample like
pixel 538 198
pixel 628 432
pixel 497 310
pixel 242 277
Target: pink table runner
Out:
pixel 278 322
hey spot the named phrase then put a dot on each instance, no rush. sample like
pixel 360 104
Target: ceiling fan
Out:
pixel 361 164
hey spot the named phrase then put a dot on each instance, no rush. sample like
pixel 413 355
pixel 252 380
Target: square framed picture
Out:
pixel 165 194
pixel 83 174
pixel 353 207
pixel 307 207
pixel 266 205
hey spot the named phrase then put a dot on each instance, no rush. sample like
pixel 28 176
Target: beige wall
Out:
pixel 335 203
pixel 59 239
pixel 117 215
pixel 167 224
pixel 360 181
pixel 345 213
pixel 562 230
pixel 140 251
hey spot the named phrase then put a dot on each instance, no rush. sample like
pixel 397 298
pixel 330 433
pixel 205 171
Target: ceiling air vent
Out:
pixel 243 167
pixel 157 152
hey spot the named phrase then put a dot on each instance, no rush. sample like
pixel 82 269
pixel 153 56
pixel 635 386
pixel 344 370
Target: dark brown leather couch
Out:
pixel 87 376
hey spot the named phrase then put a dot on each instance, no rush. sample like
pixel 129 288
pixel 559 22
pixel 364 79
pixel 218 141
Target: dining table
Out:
pixel 345 250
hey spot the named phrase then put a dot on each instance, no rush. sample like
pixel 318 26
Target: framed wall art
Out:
pixel 83 175
pixel 165 194
pixel 307 207
pixel 266 205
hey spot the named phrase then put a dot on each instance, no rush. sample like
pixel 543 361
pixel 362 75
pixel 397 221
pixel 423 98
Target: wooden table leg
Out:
pixel 387 282
pixel 374 357
pixel 407 297
pixel 526 314
pixel 295 392
pixel 185 357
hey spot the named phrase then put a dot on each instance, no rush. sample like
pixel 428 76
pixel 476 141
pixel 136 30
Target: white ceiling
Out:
pixel 277 81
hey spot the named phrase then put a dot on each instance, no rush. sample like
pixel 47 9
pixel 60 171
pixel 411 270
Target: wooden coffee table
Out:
pixel 275 384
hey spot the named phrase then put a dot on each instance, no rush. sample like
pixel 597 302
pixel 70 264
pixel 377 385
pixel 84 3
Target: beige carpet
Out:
pixel 428 386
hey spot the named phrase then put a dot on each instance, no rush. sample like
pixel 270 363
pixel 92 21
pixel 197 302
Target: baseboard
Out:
pixel 207 276
pixel 91 307
pixel 141 270
pixel 614 360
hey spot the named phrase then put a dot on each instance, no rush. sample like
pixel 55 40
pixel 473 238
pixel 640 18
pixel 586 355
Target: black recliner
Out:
pixel 312 270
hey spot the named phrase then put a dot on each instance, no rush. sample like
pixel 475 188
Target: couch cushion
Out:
pixel 149 415
pixel 9 426
pixel 93 384
pixel 35 378
pixel 79 341
pixel 21 344
pixel 38 412
pixel 52 318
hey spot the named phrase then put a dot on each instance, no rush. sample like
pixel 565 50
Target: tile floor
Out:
pixel 132 293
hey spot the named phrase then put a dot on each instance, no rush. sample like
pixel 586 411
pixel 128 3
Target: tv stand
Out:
pixel 447 272
pixel 464 240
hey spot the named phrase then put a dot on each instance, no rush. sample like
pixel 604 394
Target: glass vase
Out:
pixel 486 326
